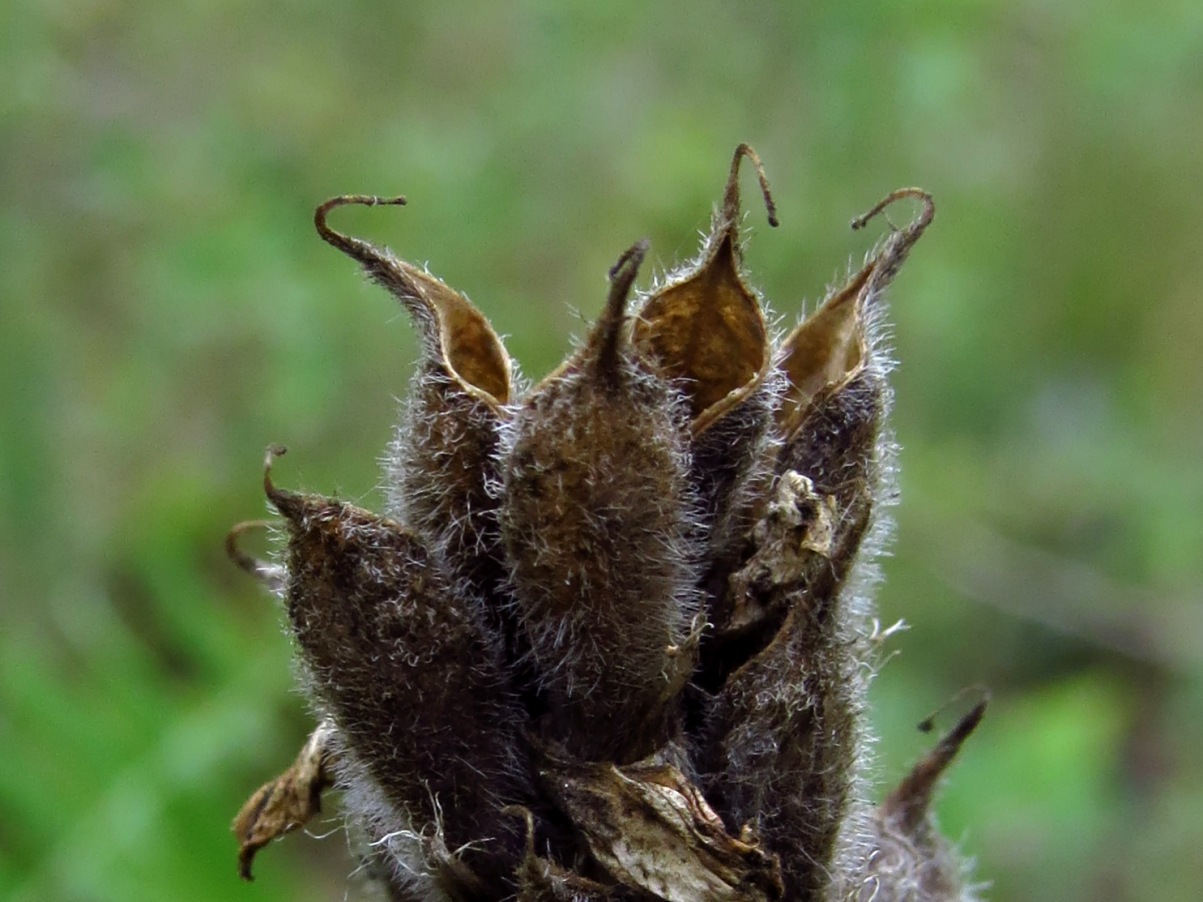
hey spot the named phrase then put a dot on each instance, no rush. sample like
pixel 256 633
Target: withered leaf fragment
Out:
pixel 410 678
pixel 649 827
pixel 596 521
pixel 287 802
pixel 612 641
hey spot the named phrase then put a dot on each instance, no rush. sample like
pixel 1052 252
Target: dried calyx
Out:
pixel 611 639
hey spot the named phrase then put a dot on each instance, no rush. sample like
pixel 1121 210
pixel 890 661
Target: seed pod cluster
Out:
pixel 611 640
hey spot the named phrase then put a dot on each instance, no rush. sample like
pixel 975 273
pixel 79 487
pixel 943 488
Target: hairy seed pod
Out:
pixel 402 667
pixel 910 861
pixel 780 748
pixel 705 330
pixel 596 524
pixel 444 451
pixel 784 732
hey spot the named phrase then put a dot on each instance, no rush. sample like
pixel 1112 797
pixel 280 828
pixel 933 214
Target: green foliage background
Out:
pixel 166 311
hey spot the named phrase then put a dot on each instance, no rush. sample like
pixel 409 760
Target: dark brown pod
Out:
pixel 910 861
pixel 597 524
pixel 706 330
pixel 444 451
pixel 783 740
pixel 398 661
pixel 780 750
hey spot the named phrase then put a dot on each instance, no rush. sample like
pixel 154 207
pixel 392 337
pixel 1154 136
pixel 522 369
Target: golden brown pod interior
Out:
pixel 707 329
pixel 454 331
pixel 829 347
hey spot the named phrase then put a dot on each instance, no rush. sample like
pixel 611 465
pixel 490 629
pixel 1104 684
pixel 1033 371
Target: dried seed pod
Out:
pixel 910 861
pixel 443 454
pixel 596 525
pixel 783 744
pixel 780 747
pixel 706 330
pixel 548 606
pixel 835 345
pixel 402 667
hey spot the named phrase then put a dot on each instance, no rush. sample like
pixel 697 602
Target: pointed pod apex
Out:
pixel 289 504
pixel 731 201
pixel 706 328
pixel 830 347
pixel 353 247
pixel 921 222
pixel 608 336
pixel 909 803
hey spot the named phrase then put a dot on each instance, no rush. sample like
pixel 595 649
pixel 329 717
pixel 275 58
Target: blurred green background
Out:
pixel 166 311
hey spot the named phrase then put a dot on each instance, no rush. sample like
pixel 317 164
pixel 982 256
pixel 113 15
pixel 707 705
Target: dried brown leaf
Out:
pixel 286 803
pixel 650 828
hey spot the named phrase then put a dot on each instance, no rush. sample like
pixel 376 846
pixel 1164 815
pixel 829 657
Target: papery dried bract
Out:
pixel 596 523
pixel 288 802
pixel 651 829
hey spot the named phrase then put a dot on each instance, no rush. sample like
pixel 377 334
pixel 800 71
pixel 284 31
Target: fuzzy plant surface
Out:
pixel 611 638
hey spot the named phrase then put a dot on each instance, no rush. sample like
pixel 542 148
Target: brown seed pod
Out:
pixel 780 746
pixel 705 330
pixel 596 525
pixel 784 735
pixel 402 667
pixel 910 861
pixel 443 454
pixel 834 345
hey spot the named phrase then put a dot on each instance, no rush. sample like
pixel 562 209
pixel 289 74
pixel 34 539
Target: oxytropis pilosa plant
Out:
pixel 611 637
